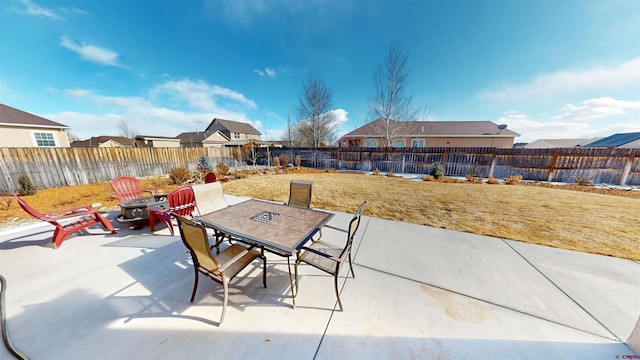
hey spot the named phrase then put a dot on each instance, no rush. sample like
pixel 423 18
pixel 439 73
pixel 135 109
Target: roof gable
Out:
pixel 12 116
pixel 231 126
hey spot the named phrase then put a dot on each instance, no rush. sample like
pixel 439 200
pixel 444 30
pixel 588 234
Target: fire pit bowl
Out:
pixel 135 210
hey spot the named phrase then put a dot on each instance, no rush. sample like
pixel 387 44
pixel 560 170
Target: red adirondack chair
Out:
pixel 127 188
pixel 182 201
pixel 67 221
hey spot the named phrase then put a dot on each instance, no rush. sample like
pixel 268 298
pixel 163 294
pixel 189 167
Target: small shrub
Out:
pixel 513 179
pixel 491 180
pixel 583 181
pixel 284 160
pixel 298 160
pixel 327 170
pixel 180 175
pixel 222 169
pixel 376 172
pixel 437 170
pixel 473 179
pixel 26 187
pixel 390 174
pixel 276 162
pixel 203 164
pixel 5 202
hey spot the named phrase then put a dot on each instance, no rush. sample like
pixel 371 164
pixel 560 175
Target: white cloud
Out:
pixel 145 117
pixel 201 95
pixel 598 78
pixel 266 72
pixel 31 8
pixel 597 108
pixel 91 53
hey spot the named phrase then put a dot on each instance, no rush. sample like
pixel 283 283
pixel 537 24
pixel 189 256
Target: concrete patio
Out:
pixel 419 292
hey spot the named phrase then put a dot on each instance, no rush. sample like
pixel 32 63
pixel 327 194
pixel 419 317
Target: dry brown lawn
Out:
pixel 591 220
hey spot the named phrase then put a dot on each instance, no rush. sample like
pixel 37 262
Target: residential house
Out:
pixel 621 140
pixel 156 141
pixel 202 139
pixel 104 141
pixel 234 130
pixel 431 134
pixel 22 129
pixel 219 133
pixel 558 143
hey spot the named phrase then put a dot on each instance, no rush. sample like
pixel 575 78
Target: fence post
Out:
pixel 552 168
pixel 627 170
pixel 493 163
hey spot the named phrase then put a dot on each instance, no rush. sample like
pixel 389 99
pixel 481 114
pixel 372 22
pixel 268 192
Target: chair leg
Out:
pixel 195 286
pixel 264 269
pixel 351 266
pixel 152 220
pixel 58 237
pixel 295 267
pixel 335 281
pixel 226 295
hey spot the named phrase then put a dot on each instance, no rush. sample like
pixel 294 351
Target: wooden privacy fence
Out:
pixel 600 165
pixel 55 167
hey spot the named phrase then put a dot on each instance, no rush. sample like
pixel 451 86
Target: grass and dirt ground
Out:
pixel 583 218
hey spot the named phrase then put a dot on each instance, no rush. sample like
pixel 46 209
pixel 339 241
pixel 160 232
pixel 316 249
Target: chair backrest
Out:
pixel 182 201
pixel 126 188
pixel 194 236
pixel 300 194
pixel 354 224
pixel 31 211
pixel 209 198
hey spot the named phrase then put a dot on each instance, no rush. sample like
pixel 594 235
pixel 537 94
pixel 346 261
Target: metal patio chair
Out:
pixel 329 257
pixel 220 268
pixel 300 194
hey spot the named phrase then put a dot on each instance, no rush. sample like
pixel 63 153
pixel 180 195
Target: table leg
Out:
pixel 293 293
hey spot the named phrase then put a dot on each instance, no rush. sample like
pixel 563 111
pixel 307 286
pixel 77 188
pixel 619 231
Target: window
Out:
pixel 44 139
pixel 236 135
pixel 398 143
pixel 371 143
pixel 417 143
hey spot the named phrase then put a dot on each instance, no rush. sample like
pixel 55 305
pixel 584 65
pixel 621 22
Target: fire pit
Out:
pixel 135 212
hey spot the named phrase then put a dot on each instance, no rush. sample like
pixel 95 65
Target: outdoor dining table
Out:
pixel 274 227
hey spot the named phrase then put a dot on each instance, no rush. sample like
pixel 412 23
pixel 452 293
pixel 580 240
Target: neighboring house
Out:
pixel 234 130
pixel 203 139
pixel 622 140
pixel 156 141
pixel 558 143
pixel 22 129
pixel 104 141
pixel 432 134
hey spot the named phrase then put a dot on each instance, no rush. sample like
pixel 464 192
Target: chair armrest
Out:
pixel 152 192
pixel 321 253
pixel 70 212
pixel 232 260
pixel 335 228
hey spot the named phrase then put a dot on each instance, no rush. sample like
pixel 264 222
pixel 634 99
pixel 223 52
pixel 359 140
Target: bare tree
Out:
pixel 389 101
pixel 126 131
pixel 316 121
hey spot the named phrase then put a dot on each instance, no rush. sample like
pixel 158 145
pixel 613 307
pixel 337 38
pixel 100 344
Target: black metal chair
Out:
pixel 329 257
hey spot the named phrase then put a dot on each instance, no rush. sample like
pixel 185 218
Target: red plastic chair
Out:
pixel 127 188
pixel 67 221
pixel 182 201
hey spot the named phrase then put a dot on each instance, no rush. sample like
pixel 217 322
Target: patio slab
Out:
pixel 445 295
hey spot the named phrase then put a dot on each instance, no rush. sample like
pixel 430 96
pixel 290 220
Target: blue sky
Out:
pixel 547 69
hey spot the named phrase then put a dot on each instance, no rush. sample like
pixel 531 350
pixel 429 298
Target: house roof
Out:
pixel 616 140
pixel 97 140
pixel 232 126
pixel 435 128
pixel 558 143
pixel 149 137
pixel 12 116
